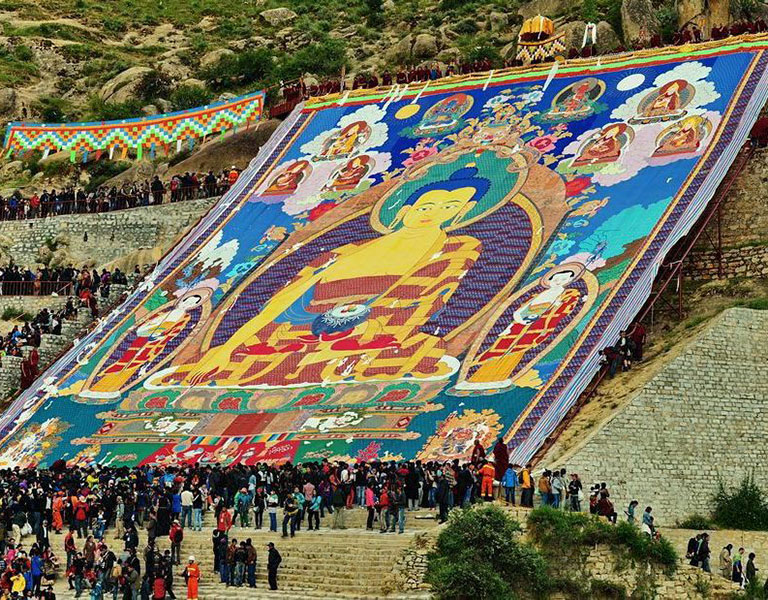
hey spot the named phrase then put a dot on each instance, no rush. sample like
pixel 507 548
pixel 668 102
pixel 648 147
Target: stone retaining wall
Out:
pixel 31 305
pixel 748 261
pixel 700 419
pixel 100 239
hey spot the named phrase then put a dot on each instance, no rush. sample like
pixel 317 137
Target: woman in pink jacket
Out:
pixel 370 504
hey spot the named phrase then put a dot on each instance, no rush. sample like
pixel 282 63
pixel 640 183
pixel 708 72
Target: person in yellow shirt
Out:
pixel 545 488
pixel 526 495
pixel 18 583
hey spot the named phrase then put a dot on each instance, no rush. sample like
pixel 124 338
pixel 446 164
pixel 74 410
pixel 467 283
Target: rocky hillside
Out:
pixel 81 59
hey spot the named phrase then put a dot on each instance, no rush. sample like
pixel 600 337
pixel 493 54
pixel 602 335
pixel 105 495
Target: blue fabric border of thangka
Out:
pixel 207 224
pixel 190 112
pixel 546 411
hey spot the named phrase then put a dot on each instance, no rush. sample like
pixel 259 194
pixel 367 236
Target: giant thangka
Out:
pixel 402 272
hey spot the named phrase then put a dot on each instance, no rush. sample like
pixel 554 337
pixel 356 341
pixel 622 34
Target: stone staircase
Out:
pixel 349 563
pixel 51 346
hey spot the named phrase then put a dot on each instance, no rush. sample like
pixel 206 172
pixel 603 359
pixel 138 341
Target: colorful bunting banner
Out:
pixel 132 134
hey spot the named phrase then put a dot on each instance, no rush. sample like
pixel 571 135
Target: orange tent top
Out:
pixel 538 25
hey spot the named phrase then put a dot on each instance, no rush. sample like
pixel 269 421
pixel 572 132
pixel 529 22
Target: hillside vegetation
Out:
pixel 88 59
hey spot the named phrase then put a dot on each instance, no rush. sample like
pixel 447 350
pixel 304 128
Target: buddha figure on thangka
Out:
pixel 346 315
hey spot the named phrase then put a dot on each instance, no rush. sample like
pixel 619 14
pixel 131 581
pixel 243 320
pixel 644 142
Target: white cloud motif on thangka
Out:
pixel 356 132
pixel 215 254
pixel 692 74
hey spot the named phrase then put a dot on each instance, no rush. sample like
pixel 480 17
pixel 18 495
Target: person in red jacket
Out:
pixel 176 535
pixel 225 520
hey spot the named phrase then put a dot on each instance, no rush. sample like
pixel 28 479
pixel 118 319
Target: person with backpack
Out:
pixel 384 510
pixel 176 536
pixel 313 513
pixel 242 507
pixel 339 501
pixel 114 578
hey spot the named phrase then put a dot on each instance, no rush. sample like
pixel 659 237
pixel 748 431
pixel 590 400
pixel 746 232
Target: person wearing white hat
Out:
pixel 192 577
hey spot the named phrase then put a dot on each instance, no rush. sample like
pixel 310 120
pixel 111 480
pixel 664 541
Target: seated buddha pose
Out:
pixel 346 142
pixel 288 181
pixel 356 312
pixel 665 103
pixel 578 100
pixel 606 147
pixel 444 115
pixel 349 176
pixel 682 138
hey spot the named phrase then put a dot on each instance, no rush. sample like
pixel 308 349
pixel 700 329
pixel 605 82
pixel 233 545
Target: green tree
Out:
pixel 479 555
pixel 153 85
pixel 374 13
pixel 743 508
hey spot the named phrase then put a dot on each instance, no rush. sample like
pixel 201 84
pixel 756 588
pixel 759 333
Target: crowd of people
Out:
pixel 732 565
pixel 43 281
pixel 131 194
pixel 99 511
pixel 87 286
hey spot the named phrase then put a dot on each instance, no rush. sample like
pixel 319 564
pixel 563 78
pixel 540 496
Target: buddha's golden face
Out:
pixel 435 207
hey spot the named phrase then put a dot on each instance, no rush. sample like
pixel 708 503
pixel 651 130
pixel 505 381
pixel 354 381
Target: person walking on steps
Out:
pixel 273 562
pixel 192 577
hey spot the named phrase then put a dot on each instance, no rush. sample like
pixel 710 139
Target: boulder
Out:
pixel 449 55
pixel 401 51
pixel 509 51
pixel 574 34
pixel 547 8
pixel 214 56
pixel 7 101
pixel 207 23
pixel 164 105
pixel 123 85
pixel 175 69
pixel 194 82
pixel 278 16
pixel 607 39
pixel 11 169
pixel 149 110
pixel 498 21
pixel 638 20
pixel 424 46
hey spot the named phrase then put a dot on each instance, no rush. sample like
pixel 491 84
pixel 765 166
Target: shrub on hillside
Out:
pixel 695 521
pixel 742 508
pixel 244 68
pixel 103 171
pixel 153 85
pixel 565 532
pixel 479 555
pixel 189 96
pixel 101 110
pixel 52 109
pixel 325 58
